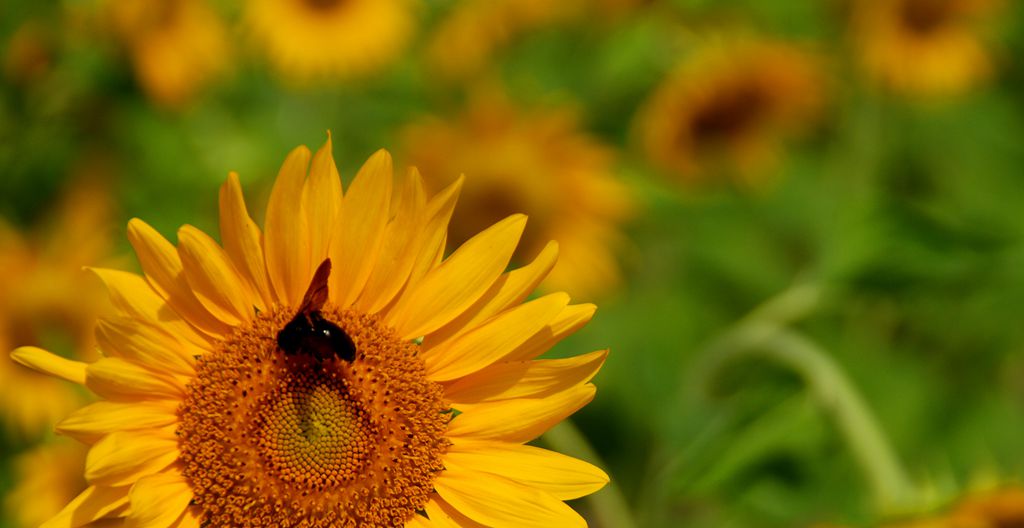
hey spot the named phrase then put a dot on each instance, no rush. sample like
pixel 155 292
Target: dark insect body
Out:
pixel 309 333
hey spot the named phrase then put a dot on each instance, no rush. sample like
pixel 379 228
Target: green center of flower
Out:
pixel 275 439
pixel 313 432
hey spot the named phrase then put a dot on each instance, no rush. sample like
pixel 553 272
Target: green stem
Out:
pixel 893 489
pixel 608 504
pixel 789 306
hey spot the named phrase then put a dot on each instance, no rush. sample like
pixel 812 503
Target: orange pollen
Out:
pixel 269 439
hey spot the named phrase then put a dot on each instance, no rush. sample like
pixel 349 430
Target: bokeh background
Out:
pixel 802 222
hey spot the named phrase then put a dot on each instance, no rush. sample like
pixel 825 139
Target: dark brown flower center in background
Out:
pixel 1008 517
pixel 730 113
pixel 269 439
pixel 325 5
pixel 925 16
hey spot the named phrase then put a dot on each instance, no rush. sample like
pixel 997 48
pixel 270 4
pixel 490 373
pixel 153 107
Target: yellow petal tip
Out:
pixel 47 362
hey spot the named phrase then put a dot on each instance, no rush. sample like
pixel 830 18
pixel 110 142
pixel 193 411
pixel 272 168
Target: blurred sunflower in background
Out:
pixel 924 47
pixel 221 406
pixel 728 107
pixel 999 508
pixel 47 477
pixel 46 299
pixel 473 31
pixel 330 39
pixel 177 47
pixel 1002 508
pixel 535 160
pixel 29 53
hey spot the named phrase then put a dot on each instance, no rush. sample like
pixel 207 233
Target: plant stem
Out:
pixel 892 487
pixel 608 504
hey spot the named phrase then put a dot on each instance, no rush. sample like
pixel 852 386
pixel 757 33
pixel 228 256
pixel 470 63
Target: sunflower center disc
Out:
pixel 729 114
pixel 269 439
pixel 325 5
pixel 925 16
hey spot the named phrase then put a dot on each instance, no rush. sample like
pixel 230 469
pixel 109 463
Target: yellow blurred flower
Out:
pixel 999 508
pixel 46 299
pixel 308 39
pixel 536 161
pixel 728 107
pixel 463 43
pixel 177 47
pixel 473 31
pixel 47 477
pixel 923 47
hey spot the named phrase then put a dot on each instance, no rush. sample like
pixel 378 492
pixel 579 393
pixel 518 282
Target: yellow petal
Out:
pixel 192 517
pixel 243 240
pixel 50 363
pixel 132 297
pixel 492 340
pixel 502 503
pixel 146 344
pixel 286 239
pixel 459 282
pixel 444 515
pixel 158 501
pixel 162 266
pixel 96 502
pixel 122 380
pixel 435 231
pixel 364 214
pixel 525 379
pixel 509 290
pixel 571 319
pixel 123 457
pixel 213 278
pixel 401 246
pixel 519 420
pixel 321 197
pixel 562 476
pixel 93 421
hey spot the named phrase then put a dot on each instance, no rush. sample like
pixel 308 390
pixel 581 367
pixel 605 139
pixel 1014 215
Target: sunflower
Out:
pixel 177 47
pixel 47 477
pixel 1001 508
pixel 728 106
pixel 331 369
pixel 998 508
pixel 39 269
pixel 534 160
pixel 30 53
pixel 923 47
pixel 474 30
pixel 307 39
